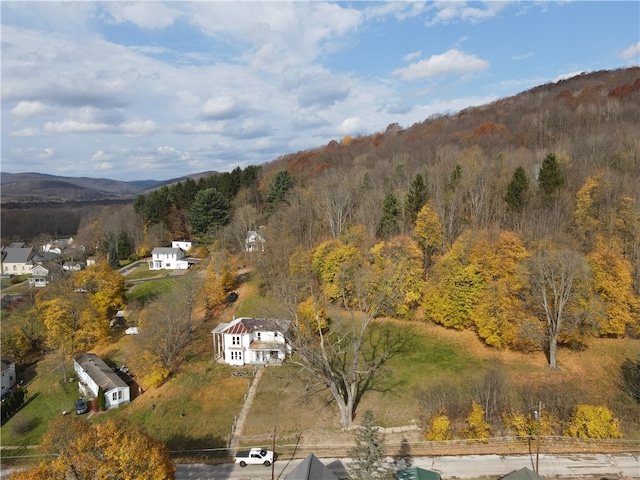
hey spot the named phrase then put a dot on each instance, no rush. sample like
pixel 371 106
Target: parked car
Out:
pixel 81 406
pixel 255 456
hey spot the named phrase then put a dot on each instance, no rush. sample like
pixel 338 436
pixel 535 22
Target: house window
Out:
pixel 235 340
pixel 236 355
pixel 114 396
pixel 119 394
pixel 259 334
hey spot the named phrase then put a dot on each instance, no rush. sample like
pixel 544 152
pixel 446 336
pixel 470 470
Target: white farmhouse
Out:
pixel 251 341
pixel 168 258
pixel 92 373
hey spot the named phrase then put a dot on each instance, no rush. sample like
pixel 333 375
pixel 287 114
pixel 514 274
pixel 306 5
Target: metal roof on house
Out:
pixel 416 473
pixel 17 255
pixel 311 468
pixel 100 372
pixel 249 325
pixel 165 250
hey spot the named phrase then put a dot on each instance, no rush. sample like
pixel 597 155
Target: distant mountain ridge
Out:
pixel 30 187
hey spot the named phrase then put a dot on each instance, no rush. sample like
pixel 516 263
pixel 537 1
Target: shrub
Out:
pixel 592 421
pixel 439 429
pixel 477 427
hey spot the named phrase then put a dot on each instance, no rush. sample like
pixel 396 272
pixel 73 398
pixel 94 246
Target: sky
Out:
pixel 157 90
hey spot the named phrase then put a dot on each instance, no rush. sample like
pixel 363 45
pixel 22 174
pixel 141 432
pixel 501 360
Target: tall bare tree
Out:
pixel 348 359
pixel 554 276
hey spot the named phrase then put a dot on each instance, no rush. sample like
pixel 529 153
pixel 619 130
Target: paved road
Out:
pixel 471 466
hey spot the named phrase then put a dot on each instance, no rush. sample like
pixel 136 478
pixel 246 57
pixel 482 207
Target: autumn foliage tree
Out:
pixel 116 450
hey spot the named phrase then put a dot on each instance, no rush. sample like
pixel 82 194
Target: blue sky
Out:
pixel 153 90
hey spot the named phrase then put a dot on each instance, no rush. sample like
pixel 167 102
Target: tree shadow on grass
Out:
pixel 207 449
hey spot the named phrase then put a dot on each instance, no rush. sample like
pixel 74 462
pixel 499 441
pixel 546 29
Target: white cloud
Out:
pixel 143 14
pixel 25 132
pixel 632 52
pixel 412 56
pixel 31 109
pixel 352 126
pixel 221 108
pixel 451 62
pixel 448 11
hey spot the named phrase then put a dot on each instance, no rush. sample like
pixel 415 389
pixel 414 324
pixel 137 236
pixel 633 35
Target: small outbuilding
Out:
pixel 524 473
pixel 311 468
pixel 416 473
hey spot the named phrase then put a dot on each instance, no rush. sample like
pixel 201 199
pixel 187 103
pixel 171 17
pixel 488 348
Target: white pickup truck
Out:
pixel 255 456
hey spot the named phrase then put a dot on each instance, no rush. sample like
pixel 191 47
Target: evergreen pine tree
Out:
pixel 416 198
pixel 516 194
pixel 550 176
pixel 114 262
pixel 209 210
pixel 102 400
pixel 277 188
pixel 389 223
pixel 368 455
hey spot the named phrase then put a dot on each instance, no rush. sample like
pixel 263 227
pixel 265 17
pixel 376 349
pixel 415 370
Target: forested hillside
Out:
pixel 518 219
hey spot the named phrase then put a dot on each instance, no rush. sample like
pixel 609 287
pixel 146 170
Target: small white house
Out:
pixel 251 341
pixel 168 258
pixel 8 374
pixel 92 373
pixel 39 277
pixel 254 242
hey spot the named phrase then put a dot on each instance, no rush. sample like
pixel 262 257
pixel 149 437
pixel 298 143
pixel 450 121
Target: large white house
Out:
pixel 251 341
pixel 93 373
pixel 168 258
pixel 171 258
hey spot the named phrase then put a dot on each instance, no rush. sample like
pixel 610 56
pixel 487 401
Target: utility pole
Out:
pixel 538 414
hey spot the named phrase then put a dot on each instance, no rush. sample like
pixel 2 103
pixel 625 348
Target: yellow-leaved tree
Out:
pixel 453 292
pixel 477 428
pixel 497 257
pixel 105 288
pixel 117 450
pixel 429 233
pixel 439 429
pixel 399 261
pixel 593 421
pixel 613 284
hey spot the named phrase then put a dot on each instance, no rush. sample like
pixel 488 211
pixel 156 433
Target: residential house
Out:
pixel 251 341
pixel 8 374
pixel 17 260
pixel 57 246
pixel 168 258
pixel 311 468
pixel 93 373
pixel 39 277
pixel 254 242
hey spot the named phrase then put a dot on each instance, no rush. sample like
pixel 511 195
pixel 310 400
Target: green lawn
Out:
pixel 146 291
pixel 48 396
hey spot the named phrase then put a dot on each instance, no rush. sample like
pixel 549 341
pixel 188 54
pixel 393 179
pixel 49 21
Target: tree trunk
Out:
pixel 553 348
